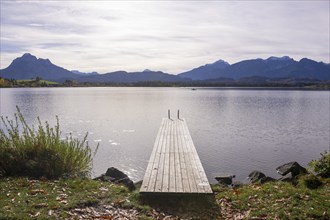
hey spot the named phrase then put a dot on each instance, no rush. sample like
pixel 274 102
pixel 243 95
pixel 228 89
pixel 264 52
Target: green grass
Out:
pixel 21 198
pixel 30 81
pixel 26 151
pixel 276 200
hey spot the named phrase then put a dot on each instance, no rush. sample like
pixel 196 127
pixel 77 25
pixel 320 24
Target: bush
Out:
pixel 41 152
pixel 310 181
pixel 322 165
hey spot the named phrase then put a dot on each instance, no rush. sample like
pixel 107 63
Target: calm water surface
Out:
pixel 235 131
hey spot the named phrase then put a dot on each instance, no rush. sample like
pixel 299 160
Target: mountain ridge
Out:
pixel 272 67
pixel 29 66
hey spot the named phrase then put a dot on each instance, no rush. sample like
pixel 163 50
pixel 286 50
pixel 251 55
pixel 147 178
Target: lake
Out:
pixel 235 131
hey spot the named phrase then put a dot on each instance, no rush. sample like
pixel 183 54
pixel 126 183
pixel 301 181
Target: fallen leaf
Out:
pixel 79 210
pixel 6 207
pixel 40 205
pixel 50 212
pixel 64 202
pixel 104 217
pixel 104 189
pixel 36 191
pixel 35 215
pixel 61 197
pixel 237 192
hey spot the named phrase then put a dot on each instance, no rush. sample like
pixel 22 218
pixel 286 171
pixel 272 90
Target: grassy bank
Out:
pixel 21 198
pixel 276 200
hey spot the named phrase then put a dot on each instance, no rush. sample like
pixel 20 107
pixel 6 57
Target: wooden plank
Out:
pixel 183 169
pixel 166 162
pixel 191 153
pixel 147 182
pixel 155 164
pixel 174 165
pixel 160 170
pixel 197 178
pixel 202 181
pixel 178 174
pixel 187 161
pixel 172 174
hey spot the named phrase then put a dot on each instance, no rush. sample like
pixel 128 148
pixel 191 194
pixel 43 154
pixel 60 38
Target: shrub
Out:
pixel 322 165
pixel 41 152
pixel 310 181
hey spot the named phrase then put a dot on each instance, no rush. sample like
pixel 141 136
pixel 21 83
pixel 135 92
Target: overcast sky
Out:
pixel 172 36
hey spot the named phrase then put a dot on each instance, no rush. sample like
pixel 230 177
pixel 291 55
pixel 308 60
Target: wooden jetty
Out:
pixel 174 166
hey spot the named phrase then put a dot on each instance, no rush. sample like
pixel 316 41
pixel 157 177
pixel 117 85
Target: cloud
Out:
pixel 170 36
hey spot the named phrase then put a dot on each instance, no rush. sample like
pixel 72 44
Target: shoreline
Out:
pixel 23 198
pixel 294 88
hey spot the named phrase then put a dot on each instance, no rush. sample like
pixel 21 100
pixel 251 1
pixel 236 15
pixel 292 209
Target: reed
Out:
pixel 27 151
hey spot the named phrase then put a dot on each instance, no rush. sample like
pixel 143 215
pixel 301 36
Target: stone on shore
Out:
pixel 255 176
pixel 293 167
pixel 289 177
pixel 266 179
pixel 116 176
pixel 225 180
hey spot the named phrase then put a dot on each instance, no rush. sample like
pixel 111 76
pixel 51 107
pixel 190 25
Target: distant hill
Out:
pixel 208 71
pixel 28 67
pixel 251 71
pixel 125 77
pixel 273 67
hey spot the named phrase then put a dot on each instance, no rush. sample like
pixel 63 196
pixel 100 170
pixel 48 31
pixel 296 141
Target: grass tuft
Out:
pixel 26 151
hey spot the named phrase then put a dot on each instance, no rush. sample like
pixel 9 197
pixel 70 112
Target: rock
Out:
pixel 116 176
pixel 255 176
pixel 2 173
pixel 127 182
pixel 115 173
pixel 138 184
pixel 266 179
pixel 289 177
pixel 225 180
pixel 292 167
pixel 236 184
pixel 105 178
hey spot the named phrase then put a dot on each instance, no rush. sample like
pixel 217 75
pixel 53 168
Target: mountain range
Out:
pixel 29 66
pixel 273 67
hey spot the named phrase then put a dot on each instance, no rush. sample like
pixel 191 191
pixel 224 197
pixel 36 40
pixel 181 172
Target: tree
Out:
pixel 38 79
pixel 70 82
